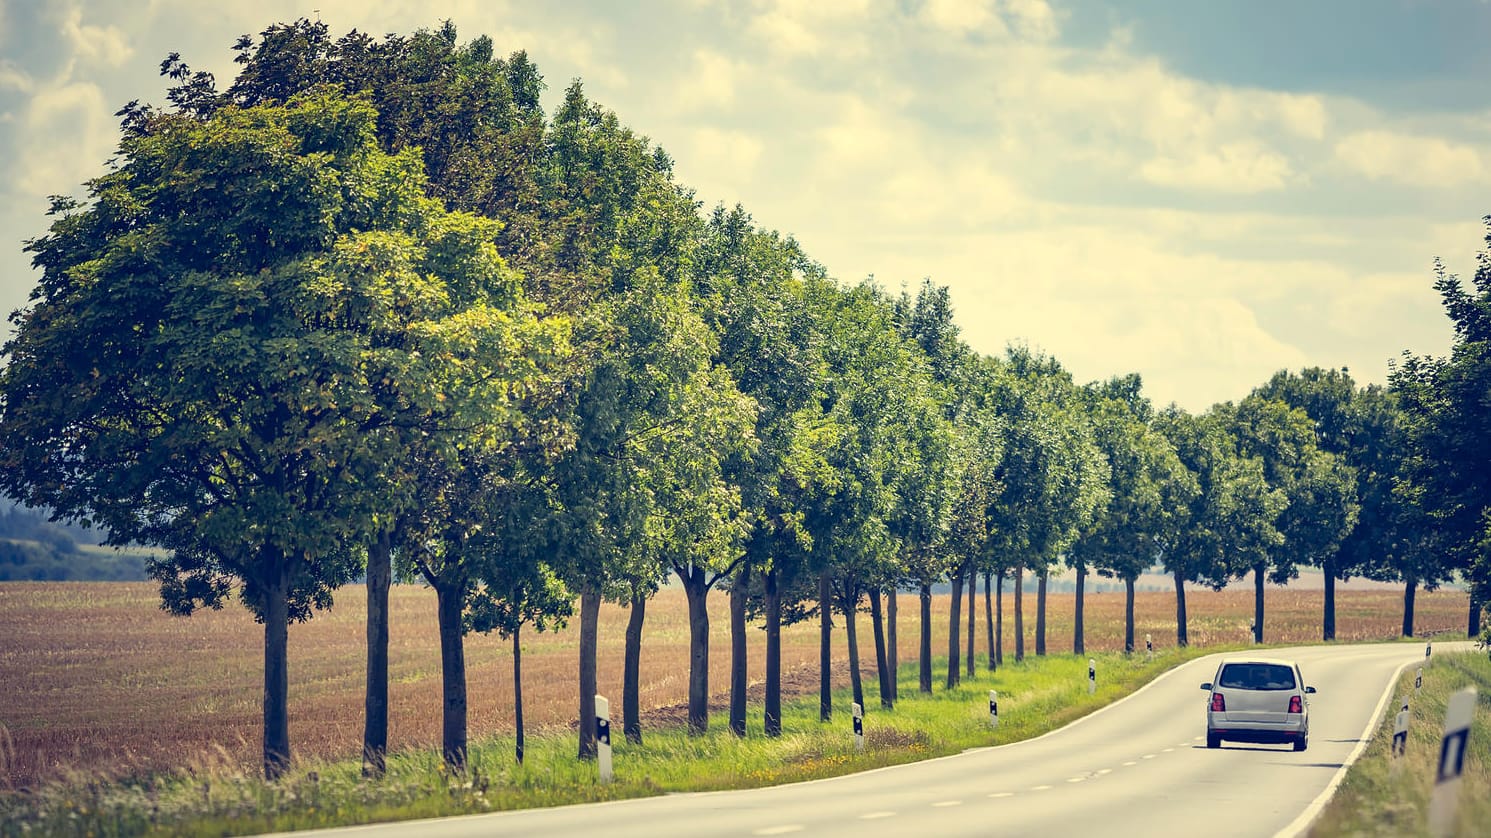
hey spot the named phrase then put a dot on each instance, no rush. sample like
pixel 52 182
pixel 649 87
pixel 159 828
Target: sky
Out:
pixel 1200 192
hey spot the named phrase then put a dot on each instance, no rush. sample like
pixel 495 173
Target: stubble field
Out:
pixel 95 678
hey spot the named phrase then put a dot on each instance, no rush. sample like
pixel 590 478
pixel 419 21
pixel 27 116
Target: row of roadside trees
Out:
pixel 370 311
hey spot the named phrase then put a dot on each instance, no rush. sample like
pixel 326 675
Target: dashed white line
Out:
pixel 998 794
pixel 870 816
pixel 779 830
pixel 1130 762
pixel 1075 779
pixel 1168 750
pixel 943 804
pixel 1040 788
pixel 1105 771
pixel 1147 756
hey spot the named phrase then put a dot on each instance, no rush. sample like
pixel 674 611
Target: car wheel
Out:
pixel 1301 743
pixel 1213 741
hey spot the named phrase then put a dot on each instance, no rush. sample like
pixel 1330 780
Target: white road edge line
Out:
pixel 1302 823
pixel 870 816
pixel 779 830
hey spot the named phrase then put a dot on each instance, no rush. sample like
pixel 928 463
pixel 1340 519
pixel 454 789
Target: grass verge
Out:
pixel 1383 796
pixel 1035 696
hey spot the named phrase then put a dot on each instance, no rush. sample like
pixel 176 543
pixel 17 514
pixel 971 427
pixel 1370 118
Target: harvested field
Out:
pixel 94 677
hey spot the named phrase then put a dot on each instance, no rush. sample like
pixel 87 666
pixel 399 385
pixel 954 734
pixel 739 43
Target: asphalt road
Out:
pixel 1138 767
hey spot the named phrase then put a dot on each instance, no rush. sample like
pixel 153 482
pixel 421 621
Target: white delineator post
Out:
pixel 1148 648
pixel 1418 683
pixel 1400 733
pixel 1451 761
pixel 994 708
pixel 603 736
pixel 859 726
pixel 1092 676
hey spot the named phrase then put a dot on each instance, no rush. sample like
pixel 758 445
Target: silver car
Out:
pixel 1261 700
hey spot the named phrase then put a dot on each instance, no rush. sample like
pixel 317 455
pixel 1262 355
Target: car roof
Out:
pixel 1277 661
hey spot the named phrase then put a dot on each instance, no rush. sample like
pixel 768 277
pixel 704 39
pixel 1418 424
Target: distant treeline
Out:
pixel 36 549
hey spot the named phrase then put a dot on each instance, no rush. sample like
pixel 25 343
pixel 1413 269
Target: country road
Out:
pixel 1136 768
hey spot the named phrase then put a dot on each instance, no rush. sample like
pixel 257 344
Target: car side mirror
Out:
pixel 1310 690
pixel 1206 686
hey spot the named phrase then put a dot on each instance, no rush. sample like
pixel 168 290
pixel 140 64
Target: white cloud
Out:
pixel 726 151
pixel 106 45
pixel 961 16
pixel 710 82
pixel 66 133
pixel 1033 19
pixel 1235 167
pixel 1428 162
pixel 808 27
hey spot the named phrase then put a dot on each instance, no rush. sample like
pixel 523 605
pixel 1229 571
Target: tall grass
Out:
pixel 217 798
pixel 1388 797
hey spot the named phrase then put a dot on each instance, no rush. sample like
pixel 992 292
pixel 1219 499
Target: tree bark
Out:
pixel 1410 590
pixel 590 609
pixel 955 630
pixel 1040 614
pixel 924 666
pixel 276 665
pixel 887 676
pixel 518 691
pixel 989 616
pixel 825 656
pixel 999 618
pixel 892 652
pixel 1258 603
pixel 1128 615
pixel 1473 622
pixel 739 593
pixel 850 605
pixel 450 604
pixel 1079 643
pixel 773 711
pixel 631 675
pixel 972 583
pixel 1019 612
pixel 1181 638
pixel 697 594
pixel 1328 628
pixel 375 702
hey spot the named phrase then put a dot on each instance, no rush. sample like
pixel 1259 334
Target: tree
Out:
pixel 226 340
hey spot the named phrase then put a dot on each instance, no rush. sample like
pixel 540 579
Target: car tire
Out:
pixel 1301 743
pixel 1213 741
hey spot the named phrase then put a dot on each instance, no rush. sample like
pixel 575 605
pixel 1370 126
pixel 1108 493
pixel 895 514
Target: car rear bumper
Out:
pixel 1273 735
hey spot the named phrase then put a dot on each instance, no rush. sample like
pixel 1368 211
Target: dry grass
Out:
pixel 95 678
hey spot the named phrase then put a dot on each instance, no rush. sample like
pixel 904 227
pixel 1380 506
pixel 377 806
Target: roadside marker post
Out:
pixel 1092 676
pixel 1418 683
pixel 994 708
pixel 603 736
pixel 1451 761
pixel 1428 649
pixel 859 726
pixel 1148 648
pixel 1400 733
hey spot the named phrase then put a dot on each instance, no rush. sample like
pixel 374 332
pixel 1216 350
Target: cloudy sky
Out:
pixel 1200 192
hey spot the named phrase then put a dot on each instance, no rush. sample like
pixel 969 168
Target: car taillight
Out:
pixel 1218 703
pixel 1296 704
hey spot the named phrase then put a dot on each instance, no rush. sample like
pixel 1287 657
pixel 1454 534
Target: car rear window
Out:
pixel 1257 676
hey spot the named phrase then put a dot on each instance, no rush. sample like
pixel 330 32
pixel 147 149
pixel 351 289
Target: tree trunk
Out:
pixel 924 666
pixel 450 604
pixel 518 690
pixel 1079 643
pixel 631 675
pixel 1128 615
pixel 276 666
pixel 590 609
pixel 1328 629
pixel 739 593
pixel 1019 613
pixel 1258 603
pixel 1181 639
pixel 375 702
pixel 1410 590
pixel 989 616
pixel 972 575
pixel 850 605
pixel 955 630
pixel 882 667
pixel 825 656
pixel 1473 623
pixel 773 712
pixel 999 618
pixel 1040 614
pixel 696 592
pixel 892 652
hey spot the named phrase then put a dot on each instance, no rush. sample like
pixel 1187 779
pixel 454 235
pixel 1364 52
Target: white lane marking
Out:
pixel 779 830
pixel 1130 762
pixel 1168 750
pixel 1147 756
pixel 1075 779
pixel 943 804
pixel 1105 771
pixel 1002 794
pixel 1040 788
pixel 1187 744
pixel 870 816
